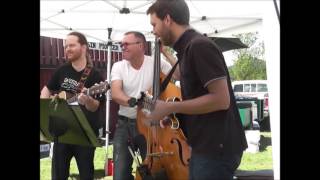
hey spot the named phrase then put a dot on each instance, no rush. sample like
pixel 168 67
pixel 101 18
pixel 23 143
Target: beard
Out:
pixel 167 37
pixel 73 56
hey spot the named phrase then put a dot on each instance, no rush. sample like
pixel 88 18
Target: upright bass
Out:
pixel 166 153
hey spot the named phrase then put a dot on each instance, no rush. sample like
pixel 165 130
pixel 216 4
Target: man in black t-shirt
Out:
pixel 67 78
pixel 210 117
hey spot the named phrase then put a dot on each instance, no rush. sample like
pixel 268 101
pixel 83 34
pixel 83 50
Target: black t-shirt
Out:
pixel 66 78
pixel 201 61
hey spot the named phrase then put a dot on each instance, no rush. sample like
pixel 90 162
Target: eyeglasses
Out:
pixel 126 44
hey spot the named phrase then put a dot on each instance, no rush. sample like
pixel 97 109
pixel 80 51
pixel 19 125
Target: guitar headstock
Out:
pixel 100 88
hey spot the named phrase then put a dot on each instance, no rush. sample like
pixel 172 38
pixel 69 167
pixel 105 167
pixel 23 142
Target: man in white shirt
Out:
pixel 129 77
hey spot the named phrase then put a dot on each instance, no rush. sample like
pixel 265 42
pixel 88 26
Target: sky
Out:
pixel 228 57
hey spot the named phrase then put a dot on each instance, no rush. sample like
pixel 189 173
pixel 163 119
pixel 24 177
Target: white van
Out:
pixel 250 88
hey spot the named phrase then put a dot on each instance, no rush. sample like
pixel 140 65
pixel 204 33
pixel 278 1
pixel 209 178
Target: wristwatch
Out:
pixel 132 102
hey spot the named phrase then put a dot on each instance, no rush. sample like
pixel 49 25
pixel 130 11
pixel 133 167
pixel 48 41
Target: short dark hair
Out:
pixel 177 9
pixel 83 41
pixel 140 36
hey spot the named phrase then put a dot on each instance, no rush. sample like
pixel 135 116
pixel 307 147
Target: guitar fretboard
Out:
pixel 72 99
pixel 92 91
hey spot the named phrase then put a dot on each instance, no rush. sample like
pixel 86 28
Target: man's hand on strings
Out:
pixel 160 110
pixel 165 122
pixel 165 51
pixel 83 98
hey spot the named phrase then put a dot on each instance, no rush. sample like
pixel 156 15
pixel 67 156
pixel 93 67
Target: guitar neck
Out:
pixel 72 99
pixel 75 97
pixel 92 91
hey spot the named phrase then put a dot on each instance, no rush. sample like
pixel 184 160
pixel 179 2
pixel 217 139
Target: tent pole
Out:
pixel 108 98
pixel 277 9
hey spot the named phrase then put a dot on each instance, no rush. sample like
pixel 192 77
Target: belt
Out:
pixel 124 118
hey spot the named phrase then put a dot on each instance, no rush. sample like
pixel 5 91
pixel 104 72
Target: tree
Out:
pixel 250 63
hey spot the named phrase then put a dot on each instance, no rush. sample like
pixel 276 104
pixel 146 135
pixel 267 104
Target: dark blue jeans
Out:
pixel 62 154
pixel 221 167
pixel 121 156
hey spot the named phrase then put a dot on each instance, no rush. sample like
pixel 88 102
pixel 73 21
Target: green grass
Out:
pixel 99 161
pixel 260 160
pixel 250 161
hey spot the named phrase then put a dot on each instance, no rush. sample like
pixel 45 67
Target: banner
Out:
pixel 104 46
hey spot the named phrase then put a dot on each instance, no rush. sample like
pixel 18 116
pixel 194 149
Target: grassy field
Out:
pixel 99 161
pixel 250 161
pixel 260 160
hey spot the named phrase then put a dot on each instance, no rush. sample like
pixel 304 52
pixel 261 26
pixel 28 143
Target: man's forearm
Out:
pixel 92 104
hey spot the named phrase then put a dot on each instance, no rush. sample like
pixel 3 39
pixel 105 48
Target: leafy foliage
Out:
pixel 250 63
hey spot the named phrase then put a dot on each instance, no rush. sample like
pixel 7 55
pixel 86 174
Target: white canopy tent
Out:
pixel 215 18
pixel 93 17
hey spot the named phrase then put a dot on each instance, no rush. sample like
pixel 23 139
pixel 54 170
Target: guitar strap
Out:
pixel 83 78
pixel 165 82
